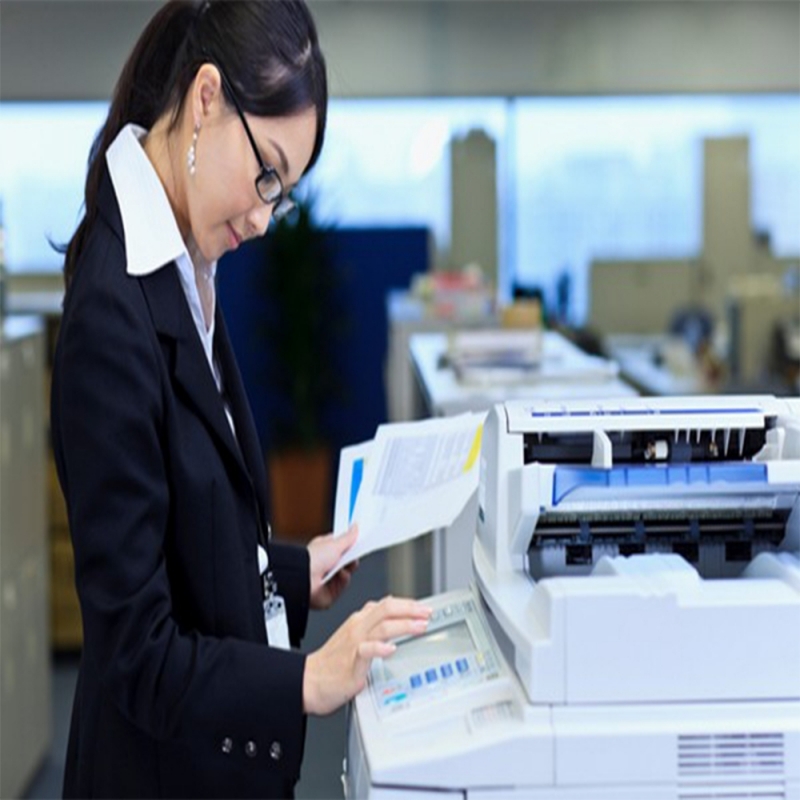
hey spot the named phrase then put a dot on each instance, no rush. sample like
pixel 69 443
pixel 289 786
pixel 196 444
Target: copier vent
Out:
pixel 731 765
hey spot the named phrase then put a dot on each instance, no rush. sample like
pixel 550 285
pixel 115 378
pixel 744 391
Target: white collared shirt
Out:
pixel 152 237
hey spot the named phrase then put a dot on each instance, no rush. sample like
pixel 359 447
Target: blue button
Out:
pixel 416 681
pixel 446 670
pixel 462 665
pixel 430 675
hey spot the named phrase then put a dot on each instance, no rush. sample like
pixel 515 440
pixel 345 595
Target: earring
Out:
pixel 191 155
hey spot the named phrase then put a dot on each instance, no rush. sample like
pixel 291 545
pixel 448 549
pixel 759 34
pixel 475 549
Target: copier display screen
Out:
pixel 419 651
pixel 445 659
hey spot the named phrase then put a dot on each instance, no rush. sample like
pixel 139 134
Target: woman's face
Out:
pixel 224 208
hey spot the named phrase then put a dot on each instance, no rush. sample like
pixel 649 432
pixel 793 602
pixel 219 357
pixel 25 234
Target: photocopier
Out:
pixel 633 629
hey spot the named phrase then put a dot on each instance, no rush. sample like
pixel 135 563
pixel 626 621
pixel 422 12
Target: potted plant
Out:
pixel 303 323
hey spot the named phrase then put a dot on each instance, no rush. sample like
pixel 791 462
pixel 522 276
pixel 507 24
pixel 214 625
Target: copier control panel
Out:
pixel 454 653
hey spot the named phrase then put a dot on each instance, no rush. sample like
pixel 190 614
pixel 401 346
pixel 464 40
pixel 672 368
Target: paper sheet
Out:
pixel 411 478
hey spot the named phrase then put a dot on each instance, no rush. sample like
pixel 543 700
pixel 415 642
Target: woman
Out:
pixel 188 686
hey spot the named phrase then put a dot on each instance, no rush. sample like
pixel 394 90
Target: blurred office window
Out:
pixel 387 161
pixel 621 178
pixel 578 178
pixel 44 149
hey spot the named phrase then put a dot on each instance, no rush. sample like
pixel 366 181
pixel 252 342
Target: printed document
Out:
pixel 413 477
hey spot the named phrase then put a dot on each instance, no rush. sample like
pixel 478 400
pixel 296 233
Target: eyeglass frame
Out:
pixel 282 204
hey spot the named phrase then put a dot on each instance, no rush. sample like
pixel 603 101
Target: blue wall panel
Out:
pixel 369 262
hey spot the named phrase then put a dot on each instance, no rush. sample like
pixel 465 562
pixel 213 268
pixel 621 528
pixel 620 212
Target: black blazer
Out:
pixel 178 693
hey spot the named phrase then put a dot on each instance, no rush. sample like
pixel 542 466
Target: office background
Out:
pixel 611 96
pixel 465 64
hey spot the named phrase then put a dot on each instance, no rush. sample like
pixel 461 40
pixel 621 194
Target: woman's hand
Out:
pixel 337 672
pixel 324 552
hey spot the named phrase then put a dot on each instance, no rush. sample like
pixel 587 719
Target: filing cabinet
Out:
pixel 25 682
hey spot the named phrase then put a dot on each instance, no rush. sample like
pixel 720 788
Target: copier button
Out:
pixel 446 670
pixel 462 665
pixel 430 675
pixel 416 681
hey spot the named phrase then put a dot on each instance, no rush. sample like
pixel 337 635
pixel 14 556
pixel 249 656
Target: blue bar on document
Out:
pixel 355 485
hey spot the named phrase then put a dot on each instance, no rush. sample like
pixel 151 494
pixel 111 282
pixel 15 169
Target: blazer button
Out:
pixel 275 751
pixel 227 745
pixel 251 749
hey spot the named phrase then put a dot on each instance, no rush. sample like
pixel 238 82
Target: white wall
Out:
pixel 563 47
pixel 74 49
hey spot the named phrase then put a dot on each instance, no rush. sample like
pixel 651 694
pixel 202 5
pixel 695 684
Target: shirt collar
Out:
pixel 152 237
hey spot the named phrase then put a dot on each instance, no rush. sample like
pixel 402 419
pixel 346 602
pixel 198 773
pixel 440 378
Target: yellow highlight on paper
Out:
pixel 474 450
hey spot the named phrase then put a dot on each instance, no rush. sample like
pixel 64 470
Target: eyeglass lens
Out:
pixel 269 187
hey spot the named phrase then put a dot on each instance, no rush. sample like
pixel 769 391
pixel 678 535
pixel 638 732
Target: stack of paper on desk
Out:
pixel 494 357
pixel 411 478
pixel 518 349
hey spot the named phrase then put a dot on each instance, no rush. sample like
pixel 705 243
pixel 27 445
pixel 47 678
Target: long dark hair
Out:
pixel 270 53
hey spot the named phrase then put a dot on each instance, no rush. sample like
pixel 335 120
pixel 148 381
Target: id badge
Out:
pixel 276 622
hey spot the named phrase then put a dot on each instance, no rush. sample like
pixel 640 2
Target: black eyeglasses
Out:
pixel 269 186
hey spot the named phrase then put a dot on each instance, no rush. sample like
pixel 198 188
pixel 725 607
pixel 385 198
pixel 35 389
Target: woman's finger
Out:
pixel 395 628
pixel 395 608
pixel 373 648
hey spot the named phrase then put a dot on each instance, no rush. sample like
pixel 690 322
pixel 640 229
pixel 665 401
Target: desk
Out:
pixel 43 303
pixel 408 315
pixel 566 372
pixel 657 364
pixel 443 561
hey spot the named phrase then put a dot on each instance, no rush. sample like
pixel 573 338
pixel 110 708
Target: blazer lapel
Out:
pixel 246 433
pixel 189 365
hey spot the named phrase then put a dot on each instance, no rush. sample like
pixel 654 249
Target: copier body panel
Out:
pixel 634 626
